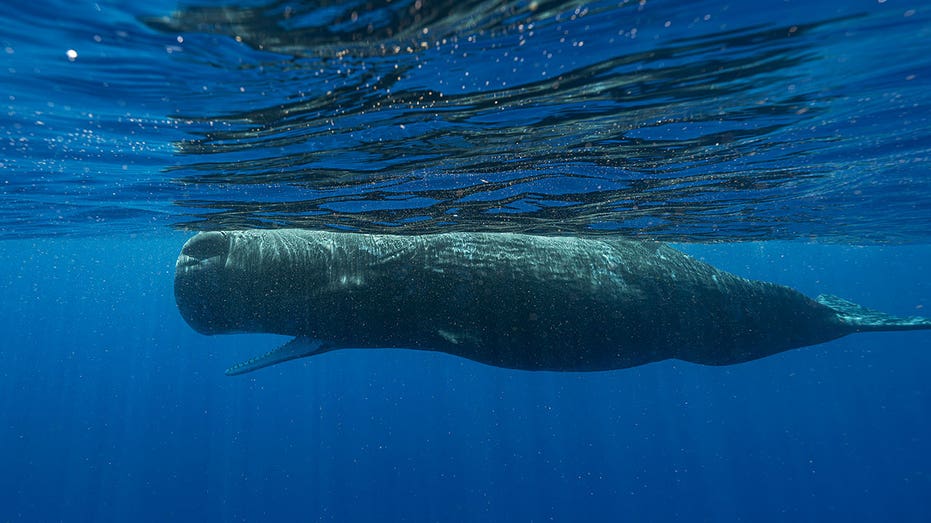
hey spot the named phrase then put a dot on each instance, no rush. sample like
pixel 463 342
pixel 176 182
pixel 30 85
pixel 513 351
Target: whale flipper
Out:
pixel 864 319
pixel 297 348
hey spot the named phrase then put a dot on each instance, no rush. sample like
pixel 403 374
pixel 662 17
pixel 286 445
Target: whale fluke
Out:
pixel 864 319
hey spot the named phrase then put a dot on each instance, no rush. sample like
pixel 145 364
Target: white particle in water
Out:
pixel 72 54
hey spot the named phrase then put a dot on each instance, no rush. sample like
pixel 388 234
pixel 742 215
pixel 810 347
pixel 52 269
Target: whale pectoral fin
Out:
pixel 299 347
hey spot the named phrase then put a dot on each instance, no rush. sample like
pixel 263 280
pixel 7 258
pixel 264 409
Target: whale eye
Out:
pixel 207 245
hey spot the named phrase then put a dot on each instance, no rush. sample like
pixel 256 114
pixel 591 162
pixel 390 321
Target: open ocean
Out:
pixel 782 140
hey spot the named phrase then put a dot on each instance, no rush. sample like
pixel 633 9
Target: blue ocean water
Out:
pixel 783 141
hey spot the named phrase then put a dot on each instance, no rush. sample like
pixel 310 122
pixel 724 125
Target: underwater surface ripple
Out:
pixel 701 123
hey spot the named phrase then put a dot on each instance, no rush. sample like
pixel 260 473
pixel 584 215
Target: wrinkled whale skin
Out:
pixel 509 300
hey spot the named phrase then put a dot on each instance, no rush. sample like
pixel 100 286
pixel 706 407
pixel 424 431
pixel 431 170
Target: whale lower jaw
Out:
pixel 299 347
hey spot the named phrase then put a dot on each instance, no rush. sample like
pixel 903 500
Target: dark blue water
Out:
pixel 783 141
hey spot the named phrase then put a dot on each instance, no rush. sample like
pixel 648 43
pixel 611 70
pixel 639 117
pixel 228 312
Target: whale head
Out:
pixel 204 286
pixel 228 282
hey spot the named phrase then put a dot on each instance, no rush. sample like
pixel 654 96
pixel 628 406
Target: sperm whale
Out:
pixel 509 300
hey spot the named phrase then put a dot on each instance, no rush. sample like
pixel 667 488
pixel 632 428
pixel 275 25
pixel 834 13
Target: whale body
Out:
pixel 509 300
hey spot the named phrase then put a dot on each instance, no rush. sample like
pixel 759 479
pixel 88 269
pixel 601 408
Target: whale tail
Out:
pixel 863 319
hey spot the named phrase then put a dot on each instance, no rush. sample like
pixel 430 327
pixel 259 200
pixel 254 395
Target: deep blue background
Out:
pixel 112 409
